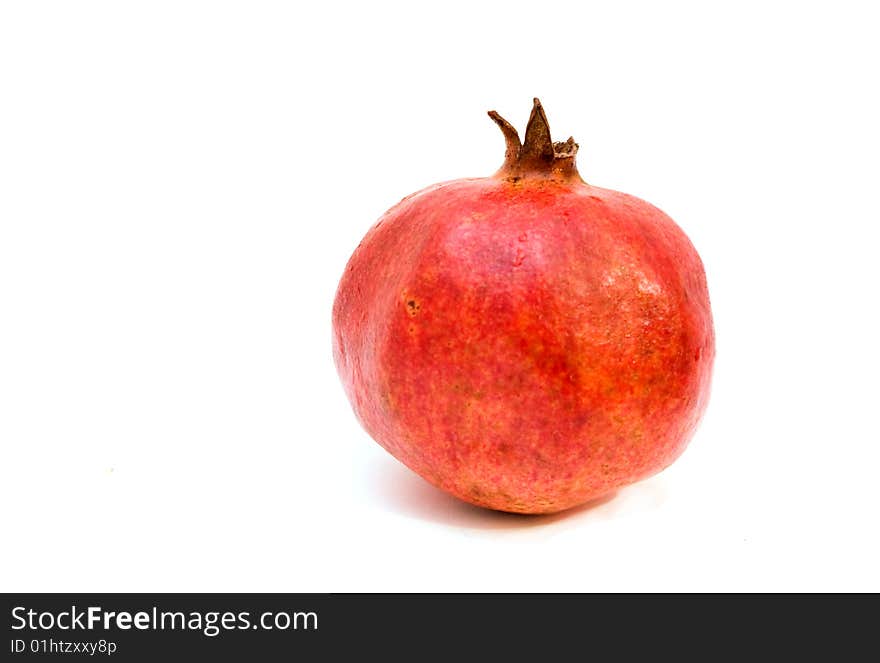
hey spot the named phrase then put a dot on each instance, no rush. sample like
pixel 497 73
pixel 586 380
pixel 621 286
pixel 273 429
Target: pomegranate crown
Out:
pixel 537 155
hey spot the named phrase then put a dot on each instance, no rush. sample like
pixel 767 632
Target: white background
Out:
pixel 181 184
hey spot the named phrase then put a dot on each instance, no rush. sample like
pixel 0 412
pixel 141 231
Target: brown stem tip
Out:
pixel 538 155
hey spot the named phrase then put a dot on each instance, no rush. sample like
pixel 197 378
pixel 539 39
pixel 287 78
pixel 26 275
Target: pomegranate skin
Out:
pixel 526 344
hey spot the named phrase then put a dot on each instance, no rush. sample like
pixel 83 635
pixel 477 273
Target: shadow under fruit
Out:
pixel 526 341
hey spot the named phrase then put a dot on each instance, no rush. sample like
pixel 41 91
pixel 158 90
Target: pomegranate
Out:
pixel 526 342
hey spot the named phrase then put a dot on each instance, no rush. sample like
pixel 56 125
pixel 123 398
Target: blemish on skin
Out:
pixel 523 237
pixel 520 257
pixel 698 354
pixel 611 276
pixel 413 307
pixel 648 287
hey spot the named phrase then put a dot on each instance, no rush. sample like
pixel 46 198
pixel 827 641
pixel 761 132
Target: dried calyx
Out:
pixel 537 155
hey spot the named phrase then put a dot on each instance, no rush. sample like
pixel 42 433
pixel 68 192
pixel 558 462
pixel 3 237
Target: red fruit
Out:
pixel 526 341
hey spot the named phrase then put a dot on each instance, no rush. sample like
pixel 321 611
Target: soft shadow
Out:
pixel 401 490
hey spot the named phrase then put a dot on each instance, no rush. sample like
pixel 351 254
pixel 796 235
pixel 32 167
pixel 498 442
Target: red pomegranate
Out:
pixel 526 341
